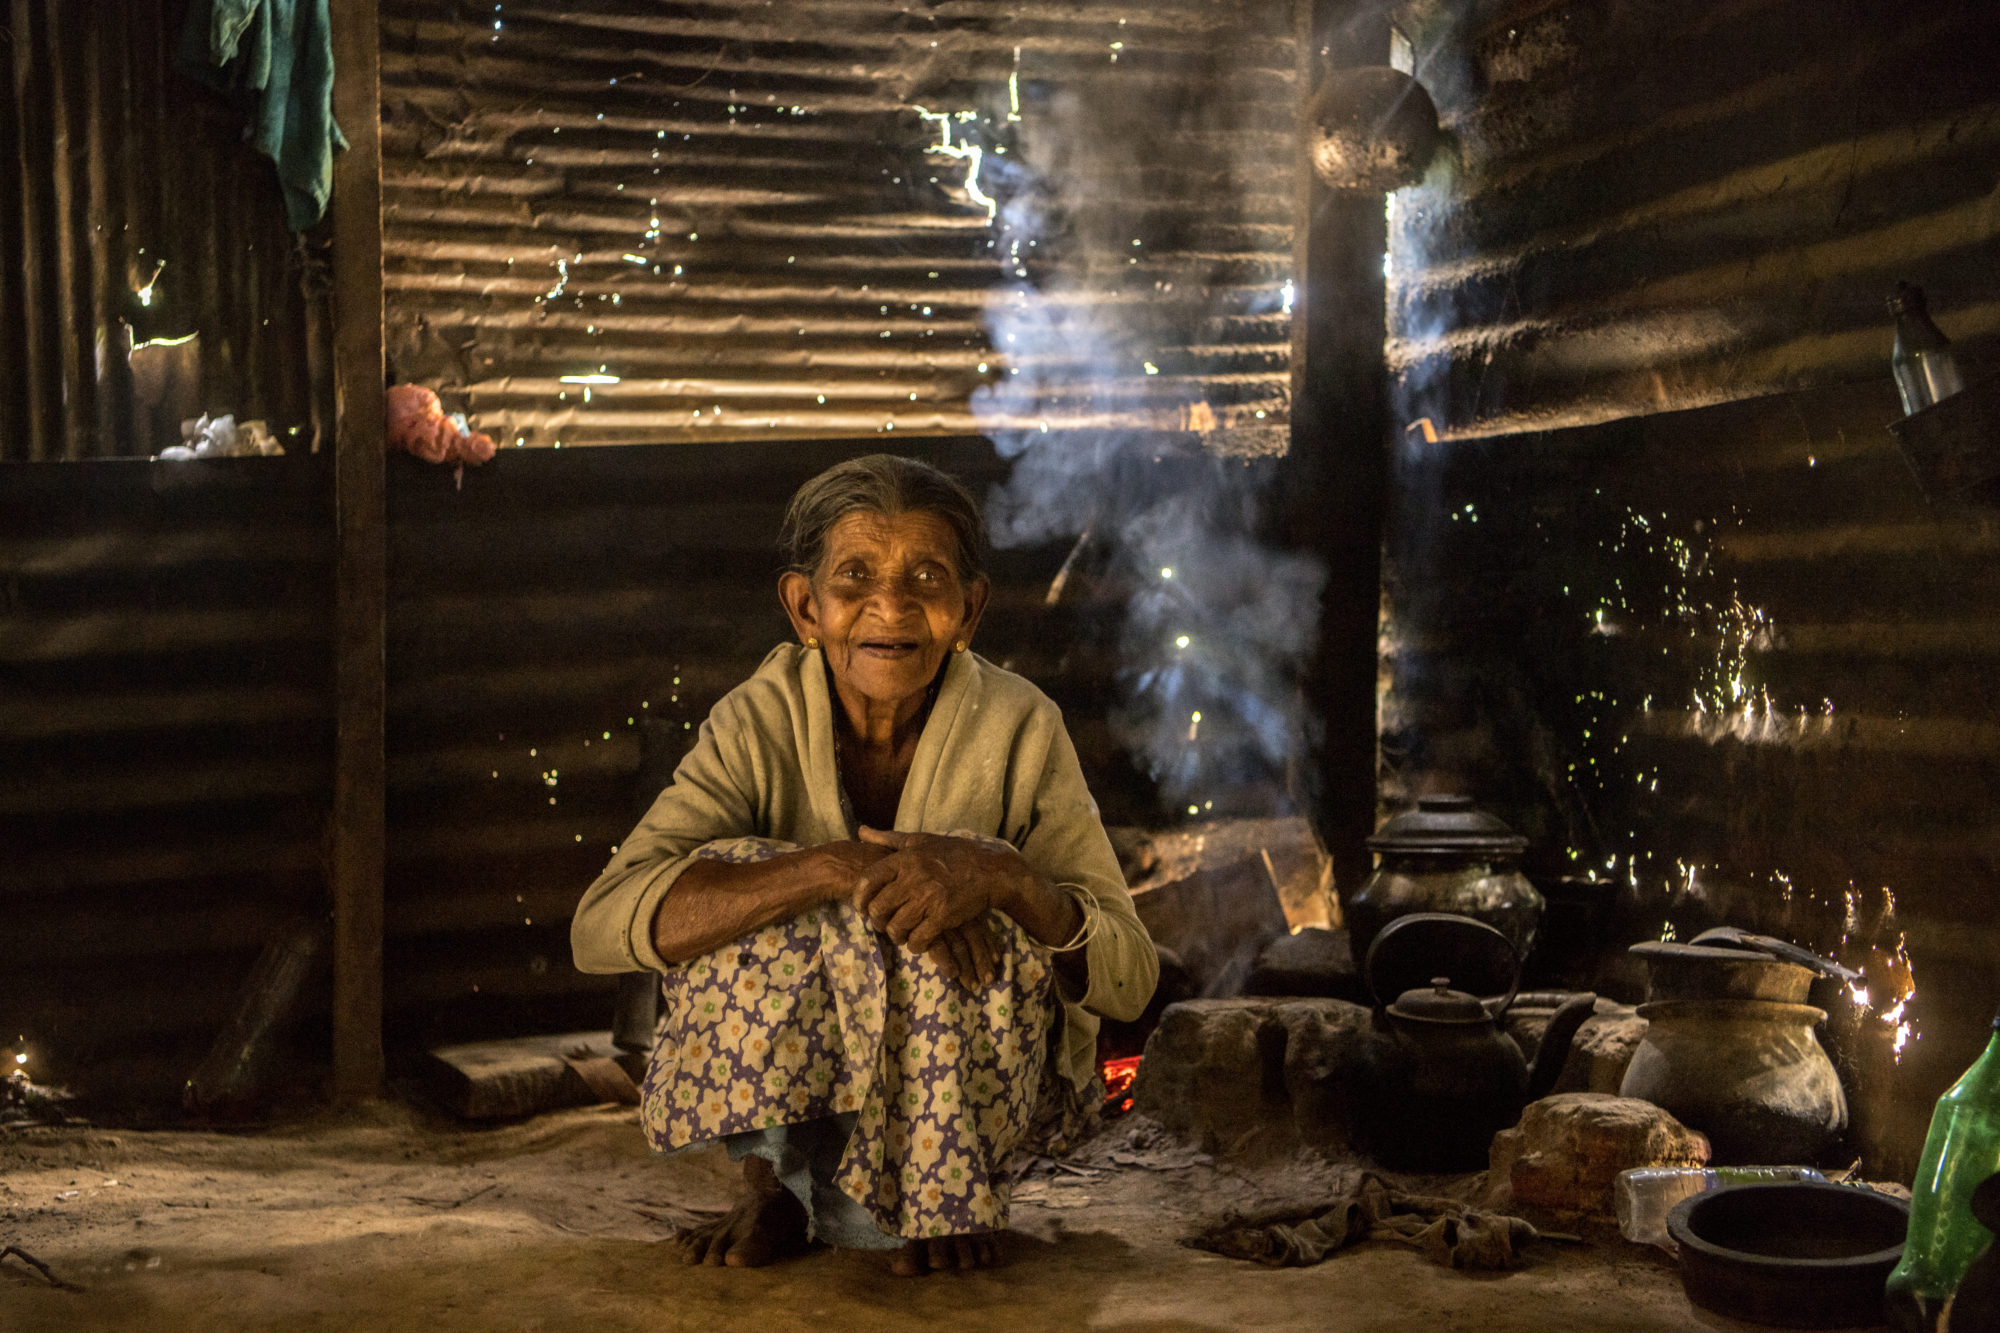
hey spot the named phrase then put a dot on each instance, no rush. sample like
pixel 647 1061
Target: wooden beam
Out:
pixel 1340 430
pixel 360 596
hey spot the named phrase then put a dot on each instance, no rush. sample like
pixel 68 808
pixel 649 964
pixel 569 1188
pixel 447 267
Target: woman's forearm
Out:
pixel 1052 917
pixel 714 902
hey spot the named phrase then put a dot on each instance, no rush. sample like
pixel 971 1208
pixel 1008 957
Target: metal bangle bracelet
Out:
pixel 1092 915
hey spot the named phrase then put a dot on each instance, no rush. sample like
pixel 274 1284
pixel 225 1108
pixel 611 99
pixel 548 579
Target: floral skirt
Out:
pixel 822 1022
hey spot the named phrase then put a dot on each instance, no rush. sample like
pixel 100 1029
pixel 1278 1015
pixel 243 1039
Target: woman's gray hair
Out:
pixel 885 484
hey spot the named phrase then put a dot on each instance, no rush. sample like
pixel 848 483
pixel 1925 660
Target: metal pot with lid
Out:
pixel 1447 855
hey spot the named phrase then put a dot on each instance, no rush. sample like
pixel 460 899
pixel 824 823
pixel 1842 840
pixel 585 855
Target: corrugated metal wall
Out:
pixel 132 212
pixel 558 624
pixel 564 622
pixel 751 216
pixel 165 748
pixel 1726 659
pixel 1645 207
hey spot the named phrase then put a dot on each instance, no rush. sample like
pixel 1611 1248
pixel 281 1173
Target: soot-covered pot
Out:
pixel 1447 855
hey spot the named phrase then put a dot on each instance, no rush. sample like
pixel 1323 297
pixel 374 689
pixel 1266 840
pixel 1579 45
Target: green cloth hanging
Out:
pixel 279 53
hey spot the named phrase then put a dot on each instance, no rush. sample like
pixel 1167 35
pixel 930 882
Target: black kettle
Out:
pixel 1444 1076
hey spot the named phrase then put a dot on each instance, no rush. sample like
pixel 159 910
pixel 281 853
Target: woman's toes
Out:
pixel 717 1248
pixel 749 1252
pixel 690 1245
pixel 945 1254
pixel 909 1261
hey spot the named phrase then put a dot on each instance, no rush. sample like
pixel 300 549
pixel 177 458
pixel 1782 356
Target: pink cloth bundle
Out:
pixel 417 423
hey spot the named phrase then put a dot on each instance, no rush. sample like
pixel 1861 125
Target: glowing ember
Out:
pixel 1902 976
pixel 1118 1076
pixel 1886 969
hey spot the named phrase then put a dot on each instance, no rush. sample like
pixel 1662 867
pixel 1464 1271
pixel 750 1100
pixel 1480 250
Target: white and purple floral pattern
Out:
pixel 820 1016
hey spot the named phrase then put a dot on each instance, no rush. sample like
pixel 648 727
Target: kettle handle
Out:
pixel 1393 927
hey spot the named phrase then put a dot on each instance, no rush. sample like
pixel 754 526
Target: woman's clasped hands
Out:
pixel 930 894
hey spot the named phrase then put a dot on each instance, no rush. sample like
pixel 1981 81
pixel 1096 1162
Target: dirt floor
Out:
pixel 392 1220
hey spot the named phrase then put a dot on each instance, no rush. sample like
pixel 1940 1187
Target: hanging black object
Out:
pixel 1372 128
pixel 1950 430
pixel 1925 370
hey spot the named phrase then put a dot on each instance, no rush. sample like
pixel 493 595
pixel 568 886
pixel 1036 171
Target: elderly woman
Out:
pixel 887 915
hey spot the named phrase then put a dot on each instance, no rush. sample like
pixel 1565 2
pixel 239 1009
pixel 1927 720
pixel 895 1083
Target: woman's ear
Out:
pixel 975 606
pixel 795 594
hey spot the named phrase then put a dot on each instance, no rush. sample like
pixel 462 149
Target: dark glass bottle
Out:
pixel 1922 361
pixel 1962 1150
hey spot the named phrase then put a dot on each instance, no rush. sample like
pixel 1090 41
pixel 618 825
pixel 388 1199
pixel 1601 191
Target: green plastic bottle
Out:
pixel 1962 1150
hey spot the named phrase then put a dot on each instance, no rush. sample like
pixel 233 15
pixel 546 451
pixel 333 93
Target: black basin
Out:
pixel 1796 1254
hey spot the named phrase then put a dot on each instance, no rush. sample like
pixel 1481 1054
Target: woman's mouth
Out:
pixel 888 648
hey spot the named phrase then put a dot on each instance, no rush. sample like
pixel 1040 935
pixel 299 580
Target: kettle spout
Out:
pixel 1553 1053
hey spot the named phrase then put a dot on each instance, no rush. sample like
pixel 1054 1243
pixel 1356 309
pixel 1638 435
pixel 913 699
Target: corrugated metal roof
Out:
pixel 755 216
pixel 132 212
pixel 1597 240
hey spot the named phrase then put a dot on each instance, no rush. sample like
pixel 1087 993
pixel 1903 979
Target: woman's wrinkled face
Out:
pixel 886 603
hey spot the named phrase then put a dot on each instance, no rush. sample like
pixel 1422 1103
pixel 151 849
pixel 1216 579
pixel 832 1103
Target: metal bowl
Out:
pixel 1796 1254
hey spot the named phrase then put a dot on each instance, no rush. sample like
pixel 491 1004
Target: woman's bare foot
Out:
pixel 946 1254
pixel 768 1225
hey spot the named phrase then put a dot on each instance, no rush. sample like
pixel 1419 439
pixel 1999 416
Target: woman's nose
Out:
pixel 898 597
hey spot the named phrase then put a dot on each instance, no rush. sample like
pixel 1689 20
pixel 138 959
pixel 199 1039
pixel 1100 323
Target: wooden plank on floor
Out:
pixel 521 1076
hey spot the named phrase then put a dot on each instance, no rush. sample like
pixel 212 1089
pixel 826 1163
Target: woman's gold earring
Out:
pixel 959 647
pixel 812 643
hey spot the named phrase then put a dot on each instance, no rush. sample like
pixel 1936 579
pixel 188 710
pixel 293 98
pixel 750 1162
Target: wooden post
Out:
pixel 1340 428
pixel 359 782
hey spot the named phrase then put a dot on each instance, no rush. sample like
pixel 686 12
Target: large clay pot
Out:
pixel 1749 1074
pixel 1447 855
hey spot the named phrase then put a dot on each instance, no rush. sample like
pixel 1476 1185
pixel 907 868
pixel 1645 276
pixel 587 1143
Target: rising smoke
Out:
pixel 1119 309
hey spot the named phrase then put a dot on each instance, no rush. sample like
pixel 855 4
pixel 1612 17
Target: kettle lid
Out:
pixel 1439 1003
pixel 1447 826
